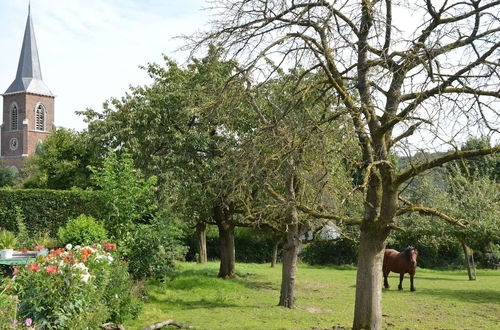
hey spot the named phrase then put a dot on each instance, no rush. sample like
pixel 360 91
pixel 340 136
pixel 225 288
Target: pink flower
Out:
pixel 38 248
pixel 28 322
pixel 24 250
pixel 51 269
pixel 34 267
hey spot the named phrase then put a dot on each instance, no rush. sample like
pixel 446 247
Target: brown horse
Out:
pixel 402 263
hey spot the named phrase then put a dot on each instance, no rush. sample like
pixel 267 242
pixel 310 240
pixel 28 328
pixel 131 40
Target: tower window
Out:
pixel 40 118
pixel 14 116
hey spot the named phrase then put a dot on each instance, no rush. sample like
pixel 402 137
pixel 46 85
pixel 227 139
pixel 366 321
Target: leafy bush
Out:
pixel 47 210
pixel 342 252
pixel 22 238
pixel 128 197
pixel 7 239
pixel 82 230
pixel 77 289
pixel 152 249
pixel 7 310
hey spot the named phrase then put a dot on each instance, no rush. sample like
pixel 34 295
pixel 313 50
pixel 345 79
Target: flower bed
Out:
pixel 74 287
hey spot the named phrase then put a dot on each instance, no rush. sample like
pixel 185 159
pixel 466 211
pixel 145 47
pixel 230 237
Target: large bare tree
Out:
pixel 412 75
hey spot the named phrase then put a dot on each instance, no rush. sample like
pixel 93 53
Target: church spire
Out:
pixel 29 75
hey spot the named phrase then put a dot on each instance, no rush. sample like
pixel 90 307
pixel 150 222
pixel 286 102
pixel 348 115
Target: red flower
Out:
pixel 39 247
pixel 109 246
pixel 34 266
pixel 51 269
pixel 87 252
pixel 24 250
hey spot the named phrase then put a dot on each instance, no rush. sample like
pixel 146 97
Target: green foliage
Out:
pixel 151 250
pixel 61 161
pixel 7 239
pixel 8 309
pixel 7 176
pixel 46 210
pixel 128 197
pixel 341 252
pixel 175 129
pixel 473 198
pixel 22 233
pixel 77 289
pixel 82 230
pixel 253 245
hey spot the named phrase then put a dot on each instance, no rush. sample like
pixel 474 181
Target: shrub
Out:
pixel 47 210
pixel 7 310
pixel 77 289
pixel 152 249
pixel 82 230
pixel 22 238
pixel 341 252
pixel 7 239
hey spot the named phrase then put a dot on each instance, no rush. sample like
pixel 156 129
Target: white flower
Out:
pixel 69 247
pixel 85 277
pixel 110 259
pixel 81 266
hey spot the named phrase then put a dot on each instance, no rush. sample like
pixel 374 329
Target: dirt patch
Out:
pixel 316 310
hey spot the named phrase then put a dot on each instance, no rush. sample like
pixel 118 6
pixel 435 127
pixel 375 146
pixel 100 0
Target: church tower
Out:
pixel 28 106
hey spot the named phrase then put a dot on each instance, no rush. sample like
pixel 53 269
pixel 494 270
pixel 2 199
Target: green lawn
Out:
pixel 325 298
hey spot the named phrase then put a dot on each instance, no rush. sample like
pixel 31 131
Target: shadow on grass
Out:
pixel 190 304
pixel 476 296
pixel 207 278
pixel 465 279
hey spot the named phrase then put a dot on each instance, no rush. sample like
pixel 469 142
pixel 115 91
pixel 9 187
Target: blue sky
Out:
pixel 90 50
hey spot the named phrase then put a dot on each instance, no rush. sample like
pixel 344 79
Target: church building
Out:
pixel 28 106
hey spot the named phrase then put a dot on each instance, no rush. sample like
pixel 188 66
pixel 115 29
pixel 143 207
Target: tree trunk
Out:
pixel 469 261
pixel 275 254
pixel 201 236
pixel 289 268
pixel 368 306
pixel 226 240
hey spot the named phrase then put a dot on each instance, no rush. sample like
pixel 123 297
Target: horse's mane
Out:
pixel 407 252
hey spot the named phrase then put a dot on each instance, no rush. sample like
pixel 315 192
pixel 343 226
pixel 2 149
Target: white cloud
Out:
pixel 90 50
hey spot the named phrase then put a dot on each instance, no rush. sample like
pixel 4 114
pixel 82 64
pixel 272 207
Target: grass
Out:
pixel 324 296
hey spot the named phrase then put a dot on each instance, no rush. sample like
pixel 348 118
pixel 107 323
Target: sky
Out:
pixel 91 50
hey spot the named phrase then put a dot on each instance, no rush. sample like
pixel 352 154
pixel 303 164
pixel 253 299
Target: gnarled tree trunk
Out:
pixel 226 240
pixel 469 261
pixel 291 249
pixel 201 237
pixel 368 307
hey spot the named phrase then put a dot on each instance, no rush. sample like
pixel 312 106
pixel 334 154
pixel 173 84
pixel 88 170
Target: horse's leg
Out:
pixel 386 283
pixel 412 287
pixel 401 276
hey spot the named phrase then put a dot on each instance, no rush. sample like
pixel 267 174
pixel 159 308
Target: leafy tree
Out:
pixel 7 176
pixel 293 161
pixel 62 161
pixel 173 128
pixel 129 198
pixel 441 75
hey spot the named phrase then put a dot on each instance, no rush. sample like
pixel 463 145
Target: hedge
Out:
pixel 46 210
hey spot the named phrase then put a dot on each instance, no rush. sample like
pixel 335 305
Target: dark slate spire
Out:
pixel 29 74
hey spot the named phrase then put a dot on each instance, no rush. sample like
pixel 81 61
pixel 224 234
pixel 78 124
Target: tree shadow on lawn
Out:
pixel 207 278
pixel 190 304
pixel 476 296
